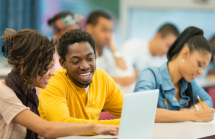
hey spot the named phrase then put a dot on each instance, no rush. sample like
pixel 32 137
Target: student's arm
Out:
pixel 47 129
pixel 114 99
pixel 203 115
pixel 119 61
pixel 147 81
pixel 127 77
pixel 125 81
pixel 123 77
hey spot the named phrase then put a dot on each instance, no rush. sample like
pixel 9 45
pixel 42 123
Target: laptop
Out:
pixel 137 118
pixel 138 115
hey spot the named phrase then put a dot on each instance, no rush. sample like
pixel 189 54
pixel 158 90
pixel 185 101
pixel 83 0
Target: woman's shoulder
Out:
pixel 150 71
pixel 150 74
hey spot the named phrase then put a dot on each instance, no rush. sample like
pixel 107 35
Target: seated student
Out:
pixel 177 101
pixel 100 25
pixel 211 71
pixel 31 55
pixel 140 54
pixel 78 92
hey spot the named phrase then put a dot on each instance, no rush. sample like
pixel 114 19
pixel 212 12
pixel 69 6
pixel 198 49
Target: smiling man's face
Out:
pixel 80 63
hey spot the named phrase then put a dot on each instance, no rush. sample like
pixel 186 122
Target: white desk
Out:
pixel 170 131
pixel 182 130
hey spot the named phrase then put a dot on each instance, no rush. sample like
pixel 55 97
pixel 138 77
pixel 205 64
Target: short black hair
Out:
pixel 95 15
pixel 167 29
pixel 58 16
pixel 71 37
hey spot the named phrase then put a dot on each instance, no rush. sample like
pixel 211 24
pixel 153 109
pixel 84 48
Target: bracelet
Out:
pixel 117 54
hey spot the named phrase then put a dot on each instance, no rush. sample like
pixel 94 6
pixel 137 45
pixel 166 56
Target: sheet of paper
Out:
pixel 190 122
pixel 104 137
pixel 90 137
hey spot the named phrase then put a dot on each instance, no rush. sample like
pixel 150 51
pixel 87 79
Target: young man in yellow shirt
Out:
pixel 78 91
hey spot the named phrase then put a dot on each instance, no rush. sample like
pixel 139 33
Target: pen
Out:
pixel 200 101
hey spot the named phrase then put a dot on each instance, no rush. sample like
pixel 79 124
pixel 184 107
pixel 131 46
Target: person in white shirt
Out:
pixel 100 25
pixel 139 54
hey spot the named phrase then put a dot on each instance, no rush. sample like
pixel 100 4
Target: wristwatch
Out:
pixel 117 54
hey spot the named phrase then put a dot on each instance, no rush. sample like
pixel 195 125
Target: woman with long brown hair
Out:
pixel 32 56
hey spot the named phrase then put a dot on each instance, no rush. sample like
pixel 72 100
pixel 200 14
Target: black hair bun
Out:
pixel 6 48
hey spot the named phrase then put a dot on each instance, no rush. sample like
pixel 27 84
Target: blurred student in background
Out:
pixel 100 25
pixel 61 23
pixel 211 70
pixel 140 54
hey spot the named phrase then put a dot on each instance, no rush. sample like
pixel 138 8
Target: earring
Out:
pixel 183 61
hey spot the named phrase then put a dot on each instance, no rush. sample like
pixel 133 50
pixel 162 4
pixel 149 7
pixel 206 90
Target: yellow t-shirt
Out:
pixel 63 101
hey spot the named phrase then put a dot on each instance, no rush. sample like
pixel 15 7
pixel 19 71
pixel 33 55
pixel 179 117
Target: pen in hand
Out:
pixel 200 101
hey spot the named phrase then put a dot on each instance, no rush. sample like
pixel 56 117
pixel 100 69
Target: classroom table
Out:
pixel 169 131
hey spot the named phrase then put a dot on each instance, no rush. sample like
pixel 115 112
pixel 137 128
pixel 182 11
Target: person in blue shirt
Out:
pixel 178 91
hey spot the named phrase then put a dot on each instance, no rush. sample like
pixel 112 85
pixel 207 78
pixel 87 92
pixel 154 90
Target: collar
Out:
pixel 167 82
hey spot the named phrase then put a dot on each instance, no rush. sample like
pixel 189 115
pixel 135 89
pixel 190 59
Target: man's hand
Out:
pixel 106 129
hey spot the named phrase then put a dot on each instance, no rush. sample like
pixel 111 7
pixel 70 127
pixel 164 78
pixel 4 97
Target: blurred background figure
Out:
pixel 211 69
pixel 61 23
pixel 212 43
pixel 100 25
pixel 130 20
pixel 140 54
